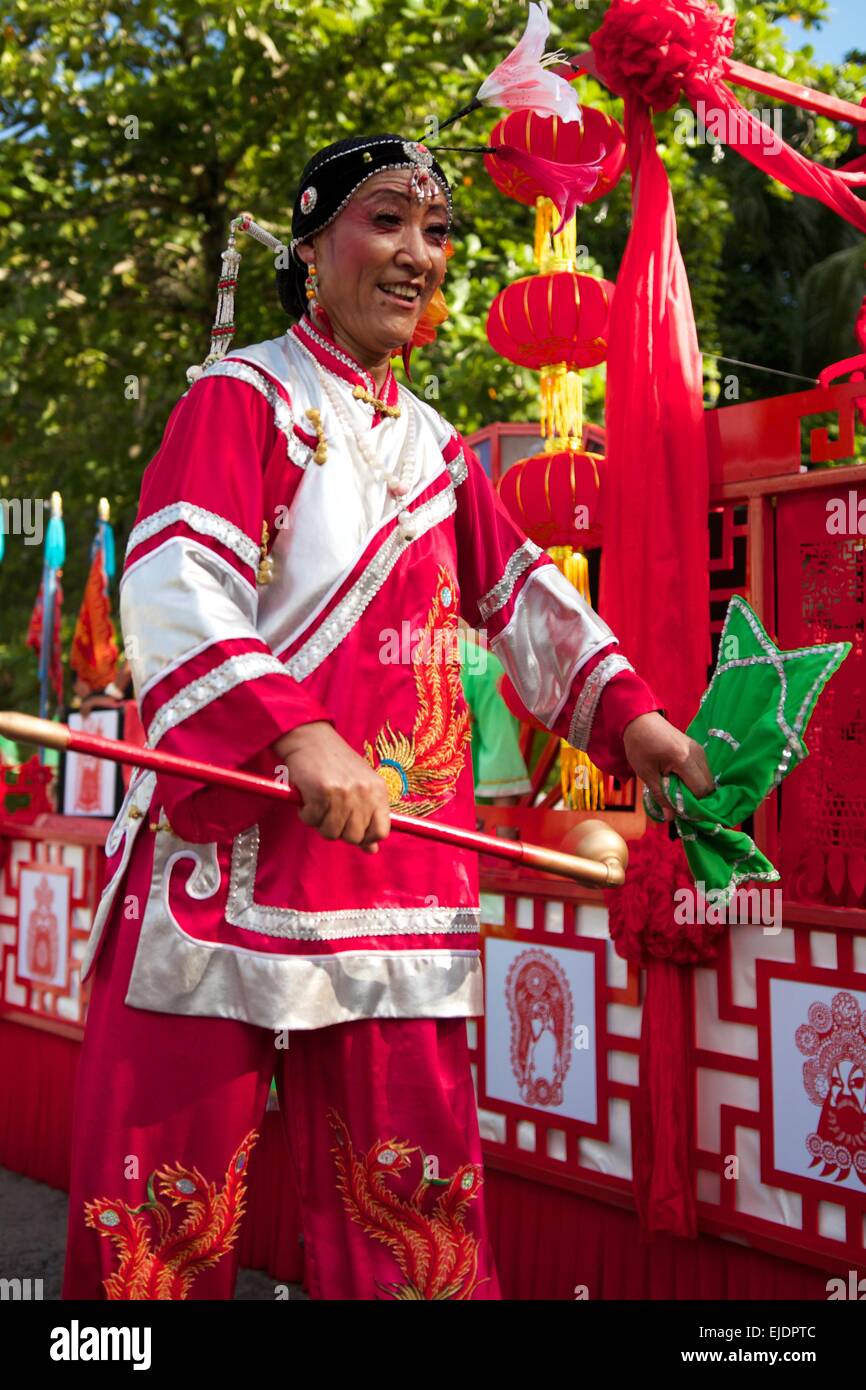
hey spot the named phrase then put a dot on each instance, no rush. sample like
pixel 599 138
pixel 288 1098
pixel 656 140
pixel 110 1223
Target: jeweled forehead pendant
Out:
pixel 421 183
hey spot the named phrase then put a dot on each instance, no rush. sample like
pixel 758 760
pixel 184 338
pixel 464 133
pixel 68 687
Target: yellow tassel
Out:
pixel 553 253
pixel 577 573
pixel 574 565
pixel 582 782
pixel 562 404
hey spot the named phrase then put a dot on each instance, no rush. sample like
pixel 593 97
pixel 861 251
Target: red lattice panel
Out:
pixel 754 1117
pixel 822 598
pixel 591 1150
pixel 729 534
pixel 748 1074
pixel 61 842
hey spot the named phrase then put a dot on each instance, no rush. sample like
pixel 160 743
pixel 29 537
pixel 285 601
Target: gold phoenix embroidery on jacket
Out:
pixel 421 770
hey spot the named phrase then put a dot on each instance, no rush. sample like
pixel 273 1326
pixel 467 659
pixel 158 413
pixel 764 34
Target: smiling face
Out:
pixel 379 264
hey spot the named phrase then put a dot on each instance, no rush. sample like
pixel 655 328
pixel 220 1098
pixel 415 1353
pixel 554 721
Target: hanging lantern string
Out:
pixel 756 367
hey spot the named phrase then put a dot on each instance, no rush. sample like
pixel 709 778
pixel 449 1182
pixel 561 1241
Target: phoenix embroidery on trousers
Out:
pixel 437 1257
pixel 162 1263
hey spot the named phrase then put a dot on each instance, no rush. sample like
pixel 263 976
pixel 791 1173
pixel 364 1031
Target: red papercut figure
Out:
pixel 87 775
pixel 539 1003
pixel 834 1075
pixel 42 933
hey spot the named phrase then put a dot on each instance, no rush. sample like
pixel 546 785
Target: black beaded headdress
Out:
pixel 331 178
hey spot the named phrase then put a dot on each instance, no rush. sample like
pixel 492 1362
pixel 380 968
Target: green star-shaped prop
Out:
pixel 750 723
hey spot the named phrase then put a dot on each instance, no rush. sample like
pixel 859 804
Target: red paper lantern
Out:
pixel 543 494
pixel 540 320
pixel 595 139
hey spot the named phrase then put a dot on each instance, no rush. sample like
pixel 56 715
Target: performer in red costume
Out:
pixel 302 508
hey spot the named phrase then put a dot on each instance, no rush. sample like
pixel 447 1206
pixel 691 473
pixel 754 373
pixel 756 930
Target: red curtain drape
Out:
pixel 548 1241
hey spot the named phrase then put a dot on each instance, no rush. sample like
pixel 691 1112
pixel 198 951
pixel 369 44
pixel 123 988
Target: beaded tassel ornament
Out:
pixel 224 326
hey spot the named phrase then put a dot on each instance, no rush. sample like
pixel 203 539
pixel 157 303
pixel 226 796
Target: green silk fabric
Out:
pixel 498 768
pixel 750 723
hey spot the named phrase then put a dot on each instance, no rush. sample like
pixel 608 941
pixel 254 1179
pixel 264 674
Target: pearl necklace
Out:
pixel 402 480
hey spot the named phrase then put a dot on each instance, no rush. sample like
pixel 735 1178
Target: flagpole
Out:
pixel 106 540
pixel 54 557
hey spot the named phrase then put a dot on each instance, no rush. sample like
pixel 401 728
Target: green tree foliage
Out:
pixel 132 133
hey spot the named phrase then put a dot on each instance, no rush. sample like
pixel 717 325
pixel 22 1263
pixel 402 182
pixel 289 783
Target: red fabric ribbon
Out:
pixel 654 580
pixel 643 929
pixel 655 567
pixel 654 583
pixel 750 137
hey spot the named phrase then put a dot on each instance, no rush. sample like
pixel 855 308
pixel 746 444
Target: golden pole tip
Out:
pixel 598 840
pixel 26 728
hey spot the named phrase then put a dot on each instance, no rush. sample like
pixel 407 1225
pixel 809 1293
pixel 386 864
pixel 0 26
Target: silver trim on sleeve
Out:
pixel 518 563
pixel 175 602
pixel 196 696
pixel 284 421
pixel 552 633
pixel 580 729
pixel 198 519
pixel 458 469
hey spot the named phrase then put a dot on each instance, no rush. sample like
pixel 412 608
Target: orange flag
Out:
pixel 94 651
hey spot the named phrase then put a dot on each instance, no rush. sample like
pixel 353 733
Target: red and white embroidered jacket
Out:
pixel 251 914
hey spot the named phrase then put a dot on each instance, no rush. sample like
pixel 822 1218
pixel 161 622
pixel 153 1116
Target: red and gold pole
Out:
pixel 601 862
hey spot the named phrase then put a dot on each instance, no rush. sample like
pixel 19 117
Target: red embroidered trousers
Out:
pixel 382 1130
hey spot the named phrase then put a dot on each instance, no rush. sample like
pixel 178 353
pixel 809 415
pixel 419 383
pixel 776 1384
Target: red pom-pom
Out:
pixel 653 49
pixel 641 913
